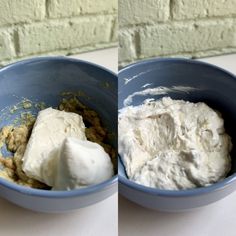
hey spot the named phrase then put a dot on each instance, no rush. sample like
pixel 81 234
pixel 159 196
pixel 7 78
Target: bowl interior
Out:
pixel 44 79
pixel 212 85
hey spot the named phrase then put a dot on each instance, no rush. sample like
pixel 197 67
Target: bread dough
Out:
pixel 173 144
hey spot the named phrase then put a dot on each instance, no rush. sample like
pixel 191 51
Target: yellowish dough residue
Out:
pixel 16 139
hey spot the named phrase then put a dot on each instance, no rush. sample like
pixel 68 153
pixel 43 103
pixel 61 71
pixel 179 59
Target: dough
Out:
pixel 173 144
pixel 16 138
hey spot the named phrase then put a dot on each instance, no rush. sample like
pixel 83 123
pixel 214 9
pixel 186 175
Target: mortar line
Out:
pixel 48 20
pixel 46 9
pixel 16 42
pixel 171 4
pixel 170 22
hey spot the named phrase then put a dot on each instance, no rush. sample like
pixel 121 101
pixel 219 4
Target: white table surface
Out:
pixel 100 219
pixel 214 220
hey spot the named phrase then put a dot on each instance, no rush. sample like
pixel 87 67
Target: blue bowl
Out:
pixel 43 80
pixel 214 86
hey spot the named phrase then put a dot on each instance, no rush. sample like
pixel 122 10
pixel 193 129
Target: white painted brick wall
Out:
pixel 18 11
pixel 186 37
pixel 142 11
pixel 45 37
pixel 7 50
pixel 127 45
pixel 67 8
pixel 189 28
pixel 194 9
pixel 36 27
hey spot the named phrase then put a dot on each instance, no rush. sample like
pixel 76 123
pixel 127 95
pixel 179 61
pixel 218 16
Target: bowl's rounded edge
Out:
pixel 179 193
pixel 176 59
pixel 55 58
pixel 59 194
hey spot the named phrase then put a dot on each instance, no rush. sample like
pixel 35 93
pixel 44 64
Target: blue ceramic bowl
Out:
pixel 43 79
pixel 216 87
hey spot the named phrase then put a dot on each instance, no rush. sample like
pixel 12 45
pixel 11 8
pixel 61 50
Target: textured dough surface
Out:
pixel 173 144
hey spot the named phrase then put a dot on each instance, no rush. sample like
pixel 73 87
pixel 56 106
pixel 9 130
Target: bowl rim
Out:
pixel 55 58
pixel 59 194
pixel 50 193
pixel 222 184
pixel 176 59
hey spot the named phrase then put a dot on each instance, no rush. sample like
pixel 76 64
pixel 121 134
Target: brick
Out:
pixel 91 6
pixel 142 11
pixel 65 8
pixel 127 51
pixel 17 11
pixel 6 45
pixel 64 34
pixel 192 9
pixel 61 8
pixel 186 37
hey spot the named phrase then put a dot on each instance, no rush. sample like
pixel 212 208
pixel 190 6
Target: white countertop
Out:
pixel 99 219
pixel 214 220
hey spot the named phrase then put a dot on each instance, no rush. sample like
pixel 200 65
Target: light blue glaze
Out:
pixel 42 80
pixel 216 87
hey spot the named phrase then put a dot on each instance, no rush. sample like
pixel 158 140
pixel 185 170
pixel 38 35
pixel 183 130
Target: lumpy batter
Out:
pixel 173 144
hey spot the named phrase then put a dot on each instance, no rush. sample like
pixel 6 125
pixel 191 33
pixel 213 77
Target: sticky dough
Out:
pixel 173 144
